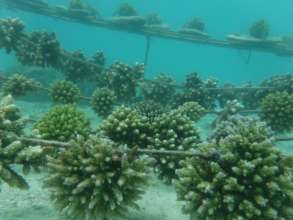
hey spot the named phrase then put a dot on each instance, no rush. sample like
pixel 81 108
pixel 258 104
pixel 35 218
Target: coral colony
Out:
pixel 101 172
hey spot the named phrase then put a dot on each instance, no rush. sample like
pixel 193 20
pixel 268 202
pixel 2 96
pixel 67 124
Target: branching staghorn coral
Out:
pixel 77 67
pixel 277 111
pixel 102 101
pixel 161 89
pixel 251 99
pixel 195 90
pixel 277 83
pixel 192 110
pixel 13 151
pixel 63 123
pixel 231 108
pixel 251 179
pixel 149 109
pixel 236 123
pixel 19 85
pixel 122 79
pixel 90 180
pixel 65 92
pixel 11 33
pixel 172 131
pixel 126 126
pixel 39 49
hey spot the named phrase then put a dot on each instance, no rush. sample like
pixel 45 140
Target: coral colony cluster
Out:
pixel 91 180
pixel 250 180
pixel 65 92
pixel 103 171
pixel 13 151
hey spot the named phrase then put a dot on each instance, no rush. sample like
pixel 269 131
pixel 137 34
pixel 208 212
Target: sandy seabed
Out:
pixel 158 203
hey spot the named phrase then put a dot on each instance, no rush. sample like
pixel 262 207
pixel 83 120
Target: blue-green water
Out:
pixel 174 58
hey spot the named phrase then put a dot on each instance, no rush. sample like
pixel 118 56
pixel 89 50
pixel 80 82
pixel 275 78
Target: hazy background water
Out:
pixel 176 58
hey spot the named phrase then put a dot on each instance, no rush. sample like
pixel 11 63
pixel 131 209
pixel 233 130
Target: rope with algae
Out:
pixel 251 111
pixel 42 142
pixel 65 54
pixel 195 153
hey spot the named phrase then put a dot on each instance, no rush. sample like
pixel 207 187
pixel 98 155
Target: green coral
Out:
pixel 40 49
pixel 196 90
pixel 12 151
pixel 277 111
pixel 65 92
pixel 127 126
pixel 90 180
pixel 149 109
pixel 161 89
pixel 250 180
pixel 252 98
pixel 277 83
pixel 232 108
pixel 11 123
pixel 11 32
pixel 192 110
pixel 234 124
pixel 102 101
pixel 77 67
pixel 63 123
pixel 122 79
pixel 172 131
pixel 19 85
pixel 260 29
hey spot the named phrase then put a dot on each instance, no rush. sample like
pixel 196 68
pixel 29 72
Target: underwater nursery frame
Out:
pixel 148 126
pixel 152 26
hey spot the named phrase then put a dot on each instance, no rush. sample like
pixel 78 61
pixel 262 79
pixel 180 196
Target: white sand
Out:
pixel 159 201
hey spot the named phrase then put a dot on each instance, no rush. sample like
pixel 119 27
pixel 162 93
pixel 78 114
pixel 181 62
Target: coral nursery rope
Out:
pixel 179 154
pixel 42 142
pixel 253 111
pixel 50 11
pixel 67 54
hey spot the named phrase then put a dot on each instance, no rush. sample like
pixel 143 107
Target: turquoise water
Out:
pixel 221 18
pixel 173 58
